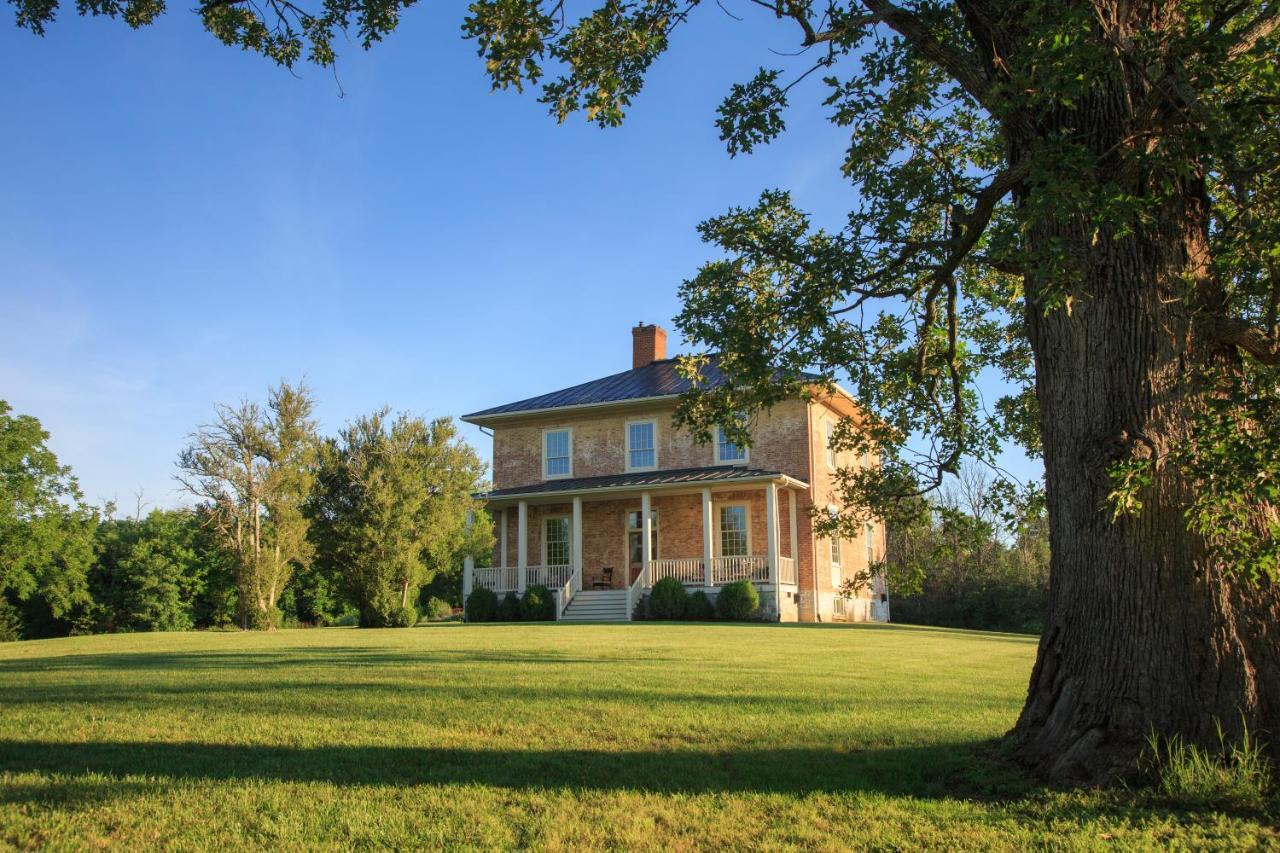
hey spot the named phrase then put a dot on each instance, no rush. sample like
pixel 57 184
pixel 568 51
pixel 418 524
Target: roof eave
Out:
pixel 482 419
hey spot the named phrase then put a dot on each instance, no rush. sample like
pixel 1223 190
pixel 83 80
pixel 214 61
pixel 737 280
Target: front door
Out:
pixel 635 553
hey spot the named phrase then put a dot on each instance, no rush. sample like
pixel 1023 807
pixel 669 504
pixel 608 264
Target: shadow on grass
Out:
pixel 295 658
pixel 936 771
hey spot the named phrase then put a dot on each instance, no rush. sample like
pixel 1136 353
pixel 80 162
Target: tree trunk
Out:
pixel 1146 631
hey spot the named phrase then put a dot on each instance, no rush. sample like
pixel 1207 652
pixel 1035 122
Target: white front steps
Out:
pixel 597 605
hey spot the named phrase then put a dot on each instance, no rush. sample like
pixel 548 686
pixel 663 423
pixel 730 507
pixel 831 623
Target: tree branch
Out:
pixel 1255 31
pixel 1246 336
pixel 962 66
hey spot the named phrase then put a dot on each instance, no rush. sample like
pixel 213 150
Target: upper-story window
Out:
pixel 642 446
pixel 557 453
pixel 831 450
pixel 726 451
pixel 871 544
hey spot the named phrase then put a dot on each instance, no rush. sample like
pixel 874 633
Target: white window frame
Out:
pixel 719 543
pixel 837 551
pixel 871 551
pixel 626 537
pixel 653 423
pixel 746 451
pixel 831 451
pixel 568 525
pixel 546 475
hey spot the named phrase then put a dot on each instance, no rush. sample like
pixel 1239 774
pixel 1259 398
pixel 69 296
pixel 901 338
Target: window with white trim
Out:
pixel 835 549
pixel 642 445
pixel 635 536
pixel 557 449
pixel 869 531
pixel 726 451
pixel 831 451
pixel 734 532
pixel 555 541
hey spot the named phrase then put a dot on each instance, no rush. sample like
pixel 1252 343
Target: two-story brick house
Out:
pixel 597 495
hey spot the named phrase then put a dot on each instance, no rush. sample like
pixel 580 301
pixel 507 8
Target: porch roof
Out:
pixel 671 477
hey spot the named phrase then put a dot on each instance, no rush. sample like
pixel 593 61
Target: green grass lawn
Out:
pixel 643 735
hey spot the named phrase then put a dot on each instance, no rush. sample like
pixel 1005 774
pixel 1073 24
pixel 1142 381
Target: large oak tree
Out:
pixel 1078 196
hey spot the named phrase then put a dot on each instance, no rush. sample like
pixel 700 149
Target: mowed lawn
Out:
pixel 551 736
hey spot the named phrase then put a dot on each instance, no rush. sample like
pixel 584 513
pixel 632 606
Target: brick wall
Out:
pixel 599 444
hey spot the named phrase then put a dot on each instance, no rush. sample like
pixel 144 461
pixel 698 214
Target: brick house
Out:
pixel 597 495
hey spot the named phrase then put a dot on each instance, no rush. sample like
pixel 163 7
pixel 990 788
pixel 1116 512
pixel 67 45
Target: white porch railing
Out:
pixel 687 570
pixel 786 570
pixel 564 594
pixel 633 594
pixel 507 578
pixel 552 577
pixel 498 579
pixel 728 569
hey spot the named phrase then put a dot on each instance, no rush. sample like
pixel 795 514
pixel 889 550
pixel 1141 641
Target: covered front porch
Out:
pixel 703 527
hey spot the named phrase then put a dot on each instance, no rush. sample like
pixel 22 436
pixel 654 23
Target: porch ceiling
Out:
pixel 672 478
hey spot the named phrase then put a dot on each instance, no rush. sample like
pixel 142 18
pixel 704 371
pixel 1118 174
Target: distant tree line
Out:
pixel 289 528
pixel 971 558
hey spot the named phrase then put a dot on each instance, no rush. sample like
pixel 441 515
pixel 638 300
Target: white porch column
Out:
pixel 577 544
pixel 504 554
pixel 795 531
pixel 468 562
pixel 522 545
pixel 771 529
pixel 646 540
pixel 708 553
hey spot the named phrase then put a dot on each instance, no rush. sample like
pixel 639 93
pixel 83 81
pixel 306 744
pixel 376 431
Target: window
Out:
pixel 831 451
pixel 835 549
pixel 871 545
pixel 726 450
pixel 734 538
pixel 555 541
pixel 635 537
pixel 642 451
pixel 557 445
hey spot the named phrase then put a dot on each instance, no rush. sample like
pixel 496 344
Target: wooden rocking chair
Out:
pixel 604 580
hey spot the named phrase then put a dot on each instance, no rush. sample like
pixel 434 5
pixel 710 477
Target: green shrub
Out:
pixel 667 599
pixel 737 601
pixel 699 607
pixel 1234 776
pixel 482 605
pixel 438 608
pixel 348 620
pixel 538 605
pixel 10 622
pixel 403 617
pixel 509 610
pixel 264 620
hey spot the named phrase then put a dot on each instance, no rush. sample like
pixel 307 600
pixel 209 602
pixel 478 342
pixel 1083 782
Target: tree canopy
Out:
pixel 390 510
pixel 46 530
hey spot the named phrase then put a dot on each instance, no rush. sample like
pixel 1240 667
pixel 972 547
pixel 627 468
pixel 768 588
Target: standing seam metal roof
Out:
pixel 657 379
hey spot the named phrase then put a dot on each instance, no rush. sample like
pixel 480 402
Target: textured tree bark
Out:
pixel 1146 630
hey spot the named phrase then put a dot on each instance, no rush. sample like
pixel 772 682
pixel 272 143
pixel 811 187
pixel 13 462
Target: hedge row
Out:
pixel 537 605
pixel 737 601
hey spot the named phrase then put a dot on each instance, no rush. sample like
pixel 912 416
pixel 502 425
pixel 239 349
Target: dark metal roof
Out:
pixel 658 379
pixel 669 477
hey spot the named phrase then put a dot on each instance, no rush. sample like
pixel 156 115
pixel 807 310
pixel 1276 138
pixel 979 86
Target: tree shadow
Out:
pixel 299 658
pixel 935 771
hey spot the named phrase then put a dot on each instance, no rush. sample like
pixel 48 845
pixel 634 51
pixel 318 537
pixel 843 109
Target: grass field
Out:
pixel 643 735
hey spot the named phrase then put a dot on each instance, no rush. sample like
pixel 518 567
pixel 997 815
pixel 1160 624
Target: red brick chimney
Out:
pixel 648 344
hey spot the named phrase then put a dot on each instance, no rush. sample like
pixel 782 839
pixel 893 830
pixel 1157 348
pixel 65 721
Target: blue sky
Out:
pixel 183 224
